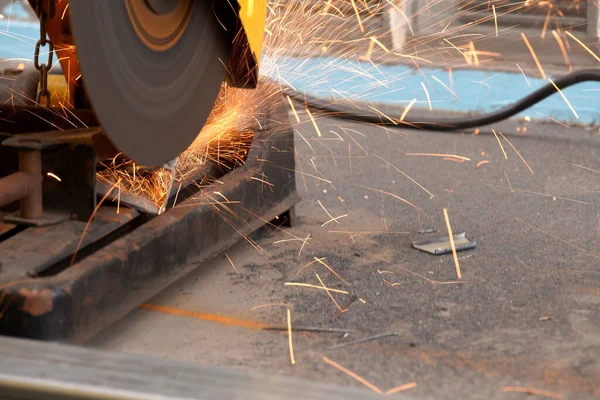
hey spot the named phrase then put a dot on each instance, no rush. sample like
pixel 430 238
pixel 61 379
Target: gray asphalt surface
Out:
pixel 525 314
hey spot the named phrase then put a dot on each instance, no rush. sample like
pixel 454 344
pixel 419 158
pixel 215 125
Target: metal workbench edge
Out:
pixel 34 370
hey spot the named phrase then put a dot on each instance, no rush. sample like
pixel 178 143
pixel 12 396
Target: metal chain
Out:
pixel 44 14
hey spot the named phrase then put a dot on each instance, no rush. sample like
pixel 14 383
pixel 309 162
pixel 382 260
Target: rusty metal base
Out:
pixel 71 303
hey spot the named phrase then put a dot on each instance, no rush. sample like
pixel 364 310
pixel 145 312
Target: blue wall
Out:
pixel 335 78
pixel 398 84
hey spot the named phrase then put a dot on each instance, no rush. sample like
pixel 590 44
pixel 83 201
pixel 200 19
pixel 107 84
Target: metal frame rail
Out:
pixel 37 370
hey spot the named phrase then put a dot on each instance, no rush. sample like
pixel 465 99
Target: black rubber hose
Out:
pixel 451 124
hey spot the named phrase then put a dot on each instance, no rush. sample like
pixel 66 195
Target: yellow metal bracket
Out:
pixel 253 14
pixel 245 56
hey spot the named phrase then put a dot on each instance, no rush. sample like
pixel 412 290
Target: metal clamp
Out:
pixel 70 157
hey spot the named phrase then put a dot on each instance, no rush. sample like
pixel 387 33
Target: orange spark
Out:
pixel 440 155
pixel 564 98
pixel 374 39
pixel 563 50
pixel 411 179
pixel 495 19
pixel 517 151
pixel 87 225
pixel 330 295
pixel 308 285
pixel 433 282
pixel 589 169
pixel 445 86
pixel 261 181
pixel 465 55
pixel 480 163
pixel 267 305
pixel 535 59
pixel 584 46
pixel 352 235
pixel 414 58
pixel 407 109
pixel 204 316
pixel 532 391
pixel 500 143
pixel 453 159
pixel 293 109
pixel 427 95
pixel 289 326
pixel 313 122
pixel 473 52
pixel 546 21
pixel 64 12
pixel 551 119
pixel 353 375
pixel 554 196
pixel 310 263
pixel 394 196
pixel 451 236
pixel 320 261
pixel 119 202
pixel 50 174
pixel 401 388
pixel 334 219
pixel 367 57
pixel 524 76
pixel 384 272
pixel 362 29
pixel 380 112
pixel 231 262
pixel 327 212
pixel 508 181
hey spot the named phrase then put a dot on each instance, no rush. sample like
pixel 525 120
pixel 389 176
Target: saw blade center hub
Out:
pixel 159 23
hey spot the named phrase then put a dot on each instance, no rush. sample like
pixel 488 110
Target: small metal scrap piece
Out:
pixel 423 232
pixel 366 339
pixel 172 167
pixel 441 244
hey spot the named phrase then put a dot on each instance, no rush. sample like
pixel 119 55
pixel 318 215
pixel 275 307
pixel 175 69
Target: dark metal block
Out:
pixel 68 172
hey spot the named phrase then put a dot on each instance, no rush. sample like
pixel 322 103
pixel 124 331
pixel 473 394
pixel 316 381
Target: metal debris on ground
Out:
pixel 441 245
pixel 423 232
pixel 367 339
pixel 309 329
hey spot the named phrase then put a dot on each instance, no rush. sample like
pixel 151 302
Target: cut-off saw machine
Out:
pixel 134 81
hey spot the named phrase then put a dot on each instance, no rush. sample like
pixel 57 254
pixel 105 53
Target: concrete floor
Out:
pixel 525 314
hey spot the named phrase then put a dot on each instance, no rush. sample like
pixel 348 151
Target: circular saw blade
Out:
pixel 151 102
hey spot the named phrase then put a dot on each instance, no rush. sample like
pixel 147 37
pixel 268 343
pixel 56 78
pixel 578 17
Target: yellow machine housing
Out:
pixel 252 15
pixel 244 61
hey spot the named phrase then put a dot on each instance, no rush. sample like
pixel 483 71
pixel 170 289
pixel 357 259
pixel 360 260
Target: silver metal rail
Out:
pixel 42 370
